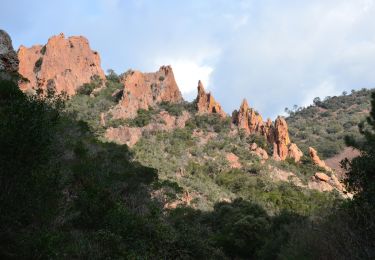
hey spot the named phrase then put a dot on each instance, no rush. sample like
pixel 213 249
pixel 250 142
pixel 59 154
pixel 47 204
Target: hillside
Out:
pixel 109 166
pixel 325 124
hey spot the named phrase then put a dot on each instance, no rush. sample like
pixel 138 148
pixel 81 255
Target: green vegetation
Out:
pixel 38 65
pixel 87 105
pixel 65 194
pixel 348 230
pixel 325 124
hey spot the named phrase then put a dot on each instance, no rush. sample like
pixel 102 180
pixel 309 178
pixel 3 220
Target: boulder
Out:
pixel 294 152
pixel 233 160
pixel 322 176
pixel 258 151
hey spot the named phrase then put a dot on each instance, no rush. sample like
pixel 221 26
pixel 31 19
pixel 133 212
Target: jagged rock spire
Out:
pixel 206 103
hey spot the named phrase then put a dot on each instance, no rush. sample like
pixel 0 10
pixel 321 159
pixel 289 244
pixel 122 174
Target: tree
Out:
pixel 361 170
pixel 112 75
pixel 317 101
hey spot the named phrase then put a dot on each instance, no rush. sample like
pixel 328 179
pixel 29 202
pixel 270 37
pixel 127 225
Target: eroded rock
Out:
pixel 206 103
pixel 316 160
pixel 233 160
pixel 145 90
pixel 294 152
pixel 63 63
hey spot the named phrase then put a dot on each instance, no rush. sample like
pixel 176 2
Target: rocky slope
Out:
pixel 325 124
pixel 63 63
pixel 193 186
pixel 144 104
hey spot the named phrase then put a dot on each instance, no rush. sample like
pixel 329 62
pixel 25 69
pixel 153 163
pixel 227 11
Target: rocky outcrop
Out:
pixel 316 160
pixel 63 63
pixel 124 135
pixel 248 119
pixel 8 57
pixel 233 160
pixel 294 152
pixel 281 141
pixel 322 176
pixel 206 103
pixel 258 151
pixel 145 90
pixel 161 122
pixel 276 134
pixel 322 182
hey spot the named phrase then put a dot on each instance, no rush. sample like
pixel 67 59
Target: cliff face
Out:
pixel 206 103
pixel 144 90
pixel 63 63
pixel 276 134
pixel 8 57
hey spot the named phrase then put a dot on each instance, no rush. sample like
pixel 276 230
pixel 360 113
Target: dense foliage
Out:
pixel 325 124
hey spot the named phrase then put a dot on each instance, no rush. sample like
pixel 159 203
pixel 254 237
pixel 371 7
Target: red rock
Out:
pixel 124 135
pixel 233 160
pixel 161 122
pixel 281 139
pixel 248 119
pixel 206 103
pixel 322 176
pixel 294 152
pixel 260 152
pixel 276 134
pixel 145 90
pixel 63 63
pixel 269 131
pixel 316 160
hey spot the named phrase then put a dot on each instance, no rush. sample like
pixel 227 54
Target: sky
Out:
pixel 274 53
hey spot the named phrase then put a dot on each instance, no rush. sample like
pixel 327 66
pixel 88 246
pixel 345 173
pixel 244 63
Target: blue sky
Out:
pixel 274 53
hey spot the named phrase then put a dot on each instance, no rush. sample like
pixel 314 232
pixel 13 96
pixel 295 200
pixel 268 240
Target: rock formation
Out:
pixel 322 176
pixel 282 141
pixel 233 160
pixel 206 103
pixel 294 152
pixel 144 90
pixel 316 160
pixel 161 122
pixel 258 151
pixel 248 119
pixel 63 63
pixel 8 57
pixel 276 134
